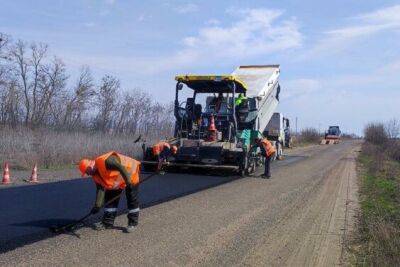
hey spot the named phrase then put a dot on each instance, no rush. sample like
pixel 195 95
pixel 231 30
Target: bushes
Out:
pixel 393 149
pixel 375 133
pixel 385 137
pixel 309 135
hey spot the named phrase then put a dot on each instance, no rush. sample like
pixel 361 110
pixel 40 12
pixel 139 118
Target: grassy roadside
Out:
pixel 377 242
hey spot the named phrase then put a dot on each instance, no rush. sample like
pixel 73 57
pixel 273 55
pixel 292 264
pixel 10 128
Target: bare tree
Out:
pixel 4 57
pixel 34 91
pixel 106 101
pixel 393 128
pixel 10 104
pixel 123 111
pixel 375 133
pixel 4 41
pixel 50 90
pixel 38 54
pixel 131 111
pixel 19 57
pixel 9 96
pixel 77 104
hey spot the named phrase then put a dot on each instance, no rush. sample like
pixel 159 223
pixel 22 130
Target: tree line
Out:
pixel 36 91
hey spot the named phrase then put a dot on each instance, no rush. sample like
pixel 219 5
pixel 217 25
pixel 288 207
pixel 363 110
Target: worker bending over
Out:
pixel 162 150
pixel 267 150
pixel 112 173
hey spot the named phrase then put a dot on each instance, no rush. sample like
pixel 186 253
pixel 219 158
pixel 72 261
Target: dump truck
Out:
pixel 216 126
pixel 332 136
pixel 278 130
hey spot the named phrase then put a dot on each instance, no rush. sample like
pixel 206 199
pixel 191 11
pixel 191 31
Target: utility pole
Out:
pixel 296 126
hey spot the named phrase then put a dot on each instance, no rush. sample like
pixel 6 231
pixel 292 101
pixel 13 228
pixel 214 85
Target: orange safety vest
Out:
pixel 157 148
pixel 269 148
pixel 112 179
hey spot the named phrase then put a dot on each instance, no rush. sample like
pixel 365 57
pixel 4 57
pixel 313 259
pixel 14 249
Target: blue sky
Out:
pixel 340 61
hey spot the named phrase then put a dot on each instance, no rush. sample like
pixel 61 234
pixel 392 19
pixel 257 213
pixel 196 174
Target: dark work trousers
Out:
pixel 164 154
pixel 267 164
pixel 110 210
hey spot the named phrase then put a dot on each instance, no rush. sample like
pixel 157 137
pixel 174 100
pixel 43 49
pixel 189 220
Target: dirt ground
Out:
pixel 302 216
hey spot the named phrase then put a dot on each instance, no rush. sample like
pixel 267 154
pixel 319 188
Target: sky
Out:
pixel 340 60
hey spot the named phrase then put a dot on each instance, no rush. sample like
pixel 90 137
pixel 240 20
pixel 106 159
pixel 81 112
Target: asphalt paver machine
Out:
pixel 217 124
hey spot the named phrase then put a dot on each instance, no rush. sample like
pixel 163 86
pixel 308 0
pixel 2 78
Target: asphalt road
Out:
pixel 302 216
pixel 28 211
pixel 32 209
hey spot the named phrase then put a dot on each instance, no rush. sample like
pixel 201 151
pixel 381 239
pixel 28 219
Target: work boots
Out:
pixel 107 222
pixel 131 225
pixel 133 220
pixel 130 228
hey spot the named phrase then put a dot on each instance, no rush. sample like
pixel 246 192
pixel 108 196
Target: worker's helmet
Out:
pixel 84 164
pixel 174 149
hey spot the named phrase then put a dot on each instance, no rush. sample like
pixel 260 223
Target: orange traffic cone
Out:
pixel 34 176
pixel 6 175
pixel 212 124
pixel 212 130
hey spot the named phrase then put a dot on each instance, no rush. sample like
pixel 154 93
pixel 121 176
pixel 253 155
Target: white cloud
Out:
pixel 349 100
pixel 255 32
pixel 363 25
pixel 187 8
pixel 388 15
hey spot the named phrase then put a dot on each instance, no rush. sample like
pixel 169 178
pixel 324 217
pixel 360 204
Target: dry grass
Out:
pixel 23 147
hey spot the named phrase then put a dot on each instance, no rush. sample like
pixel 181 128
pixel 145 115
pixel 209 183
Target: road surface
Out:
pixel 299 217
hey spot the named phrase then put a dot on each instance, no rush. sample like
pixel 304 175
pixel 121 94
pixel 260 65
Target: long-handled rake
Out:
pixel 71 226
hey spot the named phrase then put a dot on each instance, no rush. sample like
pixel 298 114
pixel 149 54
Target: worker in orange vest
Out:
pixel 162 150
pixel 267 150
pixel 112 173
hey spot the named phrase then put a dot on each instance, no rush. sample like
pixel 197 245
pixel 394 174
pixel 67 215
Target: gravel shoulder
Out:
pixel 302 216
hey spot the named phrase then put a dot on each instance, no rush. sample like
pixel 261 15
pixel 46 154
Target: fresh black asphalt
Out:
pixel 27 212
